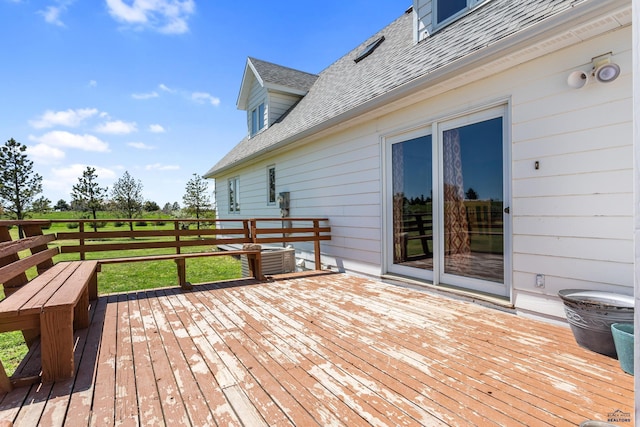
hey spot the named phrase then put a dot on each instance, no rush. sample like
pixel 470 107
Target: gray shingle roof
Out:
pixel 283 76
pixel 346 85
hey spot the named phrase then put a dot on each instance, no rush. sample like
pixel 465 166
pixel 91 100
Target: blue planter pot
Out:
pixel 623 339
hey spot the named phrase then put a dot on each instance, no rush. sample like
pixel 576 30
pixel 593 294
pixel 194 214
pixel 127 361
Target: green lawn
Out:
pixel 129 277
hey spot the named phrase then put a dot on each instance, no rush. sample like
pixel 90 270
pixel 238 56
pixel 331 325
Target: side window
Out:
pixel 271 185
pixel 234 202
pixel 257 119
pixel 254 121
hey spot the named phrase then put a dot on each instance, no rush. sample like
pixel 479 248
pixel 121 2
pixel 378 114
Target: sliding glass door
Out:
pixel 412 206
pixel 449 221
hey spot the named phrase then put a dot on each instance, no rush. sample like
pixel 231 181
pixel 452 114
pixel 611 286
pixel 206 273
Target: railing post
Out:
pixel 81 228
pixel 35 229
pixel 316 243
pixel 176 226
pixel 13 284
pixel 252 230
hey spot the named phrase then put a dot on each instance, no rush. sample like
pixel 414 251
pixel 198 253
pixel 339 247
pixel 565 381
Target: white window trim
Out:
pixel 235 181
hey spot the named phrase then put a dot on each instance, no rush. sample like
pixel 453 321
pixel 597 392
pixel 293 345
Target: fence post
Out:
pixel 176 226
pixel 252 230
pixel 35 229
pixel 316 243
pixel 81 241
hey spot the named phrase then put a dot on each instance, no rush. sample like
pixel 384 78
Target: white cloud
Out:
pixel 69 118
pixel 117 127
pixel 65 139
pixel 161 167
pixel 45 154
pixel 141 146
pixel 52 13
pixel 203 98
pixel 165 16
pixel 156 128
pixel 165 88
pixel 149 95
pixel 62 179
pixel 93 83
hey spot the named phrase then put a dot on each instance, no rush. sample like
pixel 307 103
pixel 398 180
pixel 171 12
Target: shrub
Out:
pixel 141 223
pixel 118 224
pixel 72 225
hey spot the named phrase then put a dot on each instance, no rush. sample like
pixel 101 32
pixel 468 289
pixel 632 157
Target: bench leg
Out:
pixel 57 344
pixel 182 274
pixel 30 336
pixel 5 383
pixel 93 286
pixel 81 311
pixel 254 262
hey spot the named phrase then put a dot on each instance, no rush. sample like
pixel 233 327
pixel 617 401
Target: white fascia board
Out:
pixel 249 74
pixel 285 89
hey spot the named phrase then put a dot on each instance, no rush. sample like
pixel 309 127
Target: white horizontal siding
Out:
pixel 593 227
pixel 572 217
pixel 279 103
pixel 586 248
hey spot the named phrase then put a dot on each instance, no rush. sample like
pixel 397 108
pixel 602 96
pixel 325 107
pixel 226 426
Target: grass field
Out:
pixel 127 277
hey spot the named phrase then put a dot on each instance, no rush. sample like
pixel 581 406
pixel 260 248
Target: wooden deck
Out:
pixel 321 350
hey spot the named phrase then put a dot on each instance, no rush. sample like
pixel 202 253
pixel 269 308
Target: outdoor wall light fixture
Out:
pixel 603 71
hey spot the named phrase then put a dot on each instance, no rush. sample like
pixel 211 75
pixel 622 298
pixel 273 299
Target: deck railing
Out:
pixel 83 238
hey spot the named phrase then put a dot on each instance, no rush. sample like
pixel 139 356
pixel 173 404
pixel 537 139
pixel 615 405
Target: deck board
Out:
pixel 320 350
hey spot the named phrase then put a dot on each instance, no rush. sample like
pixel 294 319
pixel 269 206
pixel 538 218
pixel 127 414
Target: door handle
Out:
pixel 507 210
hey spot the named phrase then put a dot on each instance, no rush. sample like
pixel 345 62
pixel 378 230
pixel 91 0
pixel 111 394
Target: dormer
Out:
pixel 268 91
pixel 432 15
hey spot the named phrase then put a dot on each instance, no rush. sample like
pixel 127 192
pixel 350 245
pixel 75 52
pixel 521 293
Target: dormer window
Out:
pixel 257 119
pixel 268 91
pixel 445 11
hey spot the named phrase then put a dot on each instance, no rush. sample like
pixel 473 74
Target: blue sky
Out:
pixel 150 86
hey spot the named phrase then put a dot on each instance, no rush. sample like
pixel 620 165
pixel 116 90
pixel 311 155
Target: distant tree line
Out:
pixel 20 187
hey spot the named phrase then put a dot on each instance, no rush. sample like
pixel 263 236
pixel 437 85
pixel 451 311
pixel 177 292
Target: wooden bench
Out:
pixel 417 227
pixel 51 305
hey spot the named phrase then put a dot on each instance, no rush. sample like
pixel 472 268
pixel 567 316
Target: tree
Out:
pixel 127 196
pixel 471 194
pixel 196 199
pixel 166 209
pixel 61 205
pixel 41 205
pixel 175 207
pixel 19 184
pixel 150 206
pixel 87 195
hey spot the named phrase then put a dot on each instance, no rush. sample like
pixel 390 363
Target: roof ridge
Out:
pixel 251 58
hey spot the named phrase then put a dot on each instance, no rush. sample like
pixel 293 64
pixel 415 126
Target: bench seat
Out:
pixel 53 304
